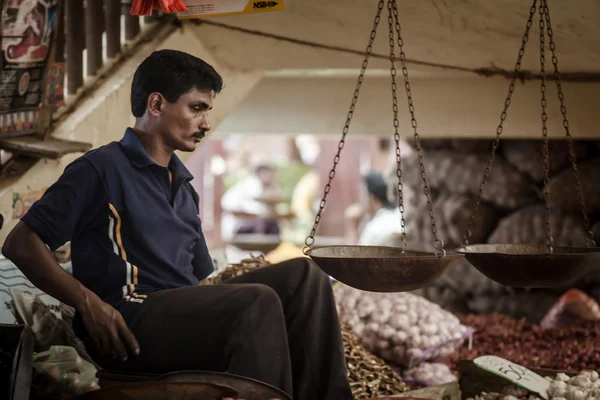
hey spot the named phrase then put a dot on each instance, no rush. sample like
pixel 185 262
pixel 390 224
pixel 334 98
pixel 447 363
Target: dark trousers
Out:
pixel 277 324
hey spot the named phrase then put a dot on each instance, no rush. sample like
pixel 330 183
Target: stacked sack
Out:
pixel 409 332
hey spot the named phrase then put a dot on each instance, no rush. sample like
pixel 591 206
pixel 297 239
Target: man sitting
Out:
pixel 140 261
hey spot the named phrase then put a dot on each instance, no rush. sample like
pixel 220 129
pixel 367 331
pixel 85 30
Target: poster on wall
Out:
pixel 55 84
pixel 27 30
pixel 218 8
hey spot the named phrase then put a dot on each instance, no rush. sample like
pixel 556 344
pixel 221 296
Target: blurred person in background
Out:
pixel 376 222
pixel 306 194
pixel 246 206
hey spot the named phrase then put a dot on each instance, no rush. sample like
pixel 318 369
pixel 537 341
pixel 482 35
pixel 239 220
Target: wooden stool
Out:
pixel 180 385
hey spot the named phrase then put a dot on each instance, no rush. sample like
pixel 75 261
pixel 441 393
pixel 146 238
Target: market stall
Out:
pixel 398 342
pixel 429 346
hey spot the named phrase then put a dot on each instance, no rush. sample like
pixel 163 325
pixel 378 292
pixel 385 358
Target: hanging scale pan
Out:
pixel 376 268
pixel 529 265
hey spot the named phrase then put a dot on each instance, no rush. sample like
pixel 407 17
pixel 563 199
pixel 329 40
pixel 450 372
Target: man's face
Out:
pixel 267 177
pixel 184 124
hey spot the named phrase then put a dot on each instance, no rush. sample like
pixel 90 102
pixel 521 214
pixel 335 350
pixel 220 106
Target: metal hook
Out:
pixel 439 246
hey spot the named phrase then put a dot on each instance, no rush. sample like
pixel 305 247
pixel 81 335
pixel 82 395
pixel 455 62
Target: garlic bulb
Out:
pixel 514 391
pixel 591 375
pixel 557 389
pixel 562 387
pixel 575 394
pixel 563 377
pixel 429 374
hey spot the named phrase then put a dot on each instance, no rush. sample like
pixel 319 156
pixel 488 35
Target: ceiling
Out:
pixel 462 33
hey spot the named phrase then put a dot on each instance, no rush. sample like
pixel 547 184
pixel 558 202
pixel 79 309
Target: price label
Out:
pixel 515 373
pixel 214 8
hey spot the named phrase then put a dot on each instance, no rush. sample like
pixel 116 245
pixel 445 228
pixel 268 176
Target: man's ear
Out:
pixel 155 104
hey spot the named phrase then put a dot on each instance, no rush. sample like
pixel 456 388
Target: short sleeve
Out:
pixel 202 263
pixel 68 205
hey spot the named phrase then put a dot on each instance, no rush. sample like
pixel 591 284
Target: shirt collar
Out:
pixel 137 155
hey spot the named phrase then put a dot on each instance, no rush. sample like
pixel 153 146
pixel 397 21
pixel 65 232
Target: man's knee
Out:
pixel 306 269
pixel 258 294
pixel 261 303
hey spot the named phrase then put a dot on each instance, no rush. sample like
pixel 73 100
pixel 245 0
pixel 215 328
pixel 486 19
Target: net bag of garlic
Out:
pixel 584 386
pixel 402 328
pixel 428 374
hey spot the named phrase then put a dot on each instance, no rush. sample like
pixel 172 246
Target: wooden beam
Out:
pixel 36 147
pixel 113 28
pixel 465 108
pixel 94 21
pixel 74 41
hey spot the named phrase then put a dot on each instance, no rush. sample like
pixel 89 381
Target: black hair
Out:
pixel 384 144
pixel 378 187
pixel 263 167
pixel 171 73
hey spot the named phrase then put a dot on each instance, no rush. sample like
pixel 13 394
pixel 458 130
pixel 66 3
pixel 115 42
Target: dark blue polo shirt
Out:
pixel 131 231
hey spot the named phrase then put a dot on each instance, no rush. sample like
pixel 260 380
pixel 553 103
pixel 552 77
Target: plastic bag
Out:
pixel 49 328
pixel 428 374
pixel 572 306
pixel 60 373
pixel 444 348
pixel 38 316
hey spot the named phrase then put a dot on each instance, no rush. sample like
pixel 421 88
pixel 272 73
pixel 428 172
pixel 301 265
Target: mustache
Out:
pixel 200 134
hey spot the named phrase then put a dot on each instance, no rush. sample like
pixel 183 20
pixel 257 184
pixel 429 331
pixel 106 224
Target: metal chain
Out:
pixel 310 240
pixel 438 244
pixel 563 109
pixel 499 129
pixel 396 124
pixel 544 116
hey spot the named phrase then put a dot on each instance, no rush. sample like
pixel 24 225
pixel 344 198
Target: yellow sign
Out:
pixel 219 8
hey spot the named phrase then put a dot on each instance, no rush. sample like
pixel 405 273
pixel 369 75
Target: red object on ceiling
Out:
pixel 145 7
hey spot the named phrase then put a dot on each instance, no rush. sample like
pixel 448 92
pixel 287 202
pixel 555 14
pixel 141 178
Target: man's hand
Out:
pixel 204 282
pixel 106 327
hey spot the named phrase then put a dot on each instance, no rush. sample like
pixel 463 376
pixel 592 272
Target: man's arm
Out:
pixel 202 262
pixel 25 248
pixel 65 208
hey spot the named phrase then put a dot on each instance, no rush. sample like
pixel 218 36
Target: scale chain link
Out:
pixel 310 240
pixel 396 123
pixel 500 127
pixel 563 110
pixel 544 115
pixel 438 244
